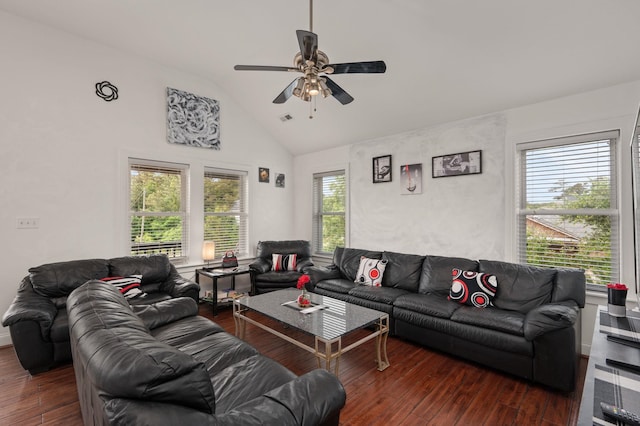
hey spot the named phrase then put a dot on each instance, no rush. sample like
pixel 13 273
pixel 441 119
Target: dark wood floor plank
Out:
pixel 420 387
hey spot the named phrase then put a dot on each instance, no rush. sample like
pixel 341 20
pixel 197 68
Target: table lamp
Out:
pixel 208 252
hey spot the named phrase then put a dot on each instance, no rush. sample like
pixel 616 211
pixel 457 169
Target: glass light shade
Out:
pixel 208 251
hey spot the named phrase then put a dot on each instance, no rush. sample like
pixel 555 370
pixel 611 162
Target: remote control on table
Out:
pixel 623 415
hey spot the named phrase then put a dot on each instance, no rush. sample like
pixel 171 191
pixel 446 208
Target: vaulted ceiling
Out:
pixel 446 59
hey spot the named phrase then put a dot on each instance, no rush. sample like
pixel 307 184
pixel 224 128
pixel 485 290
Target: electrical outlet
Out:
pixel 28 222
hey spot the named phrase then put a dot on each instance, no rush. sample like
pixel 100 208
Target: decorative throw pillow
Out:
pixel 128 286
pixel 370 271
pixel 284 262
pixel 473 288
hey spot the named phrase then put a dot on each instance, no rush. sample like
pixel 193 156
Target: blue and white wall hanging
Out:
pixel 192 120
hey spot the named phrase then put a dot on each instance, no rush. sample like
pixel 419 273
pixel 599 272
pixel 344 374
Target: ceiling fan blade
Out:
pixel 263 68
pixel 370 67
pixel 308 42
pixel 338 92
pixel 286 93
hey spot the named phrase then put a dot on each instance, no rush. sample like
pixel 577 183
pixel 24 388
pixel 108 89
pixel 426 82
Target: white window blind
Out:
pixel 329 200
pixel 568 210
pixel 225 210
pixel 158 208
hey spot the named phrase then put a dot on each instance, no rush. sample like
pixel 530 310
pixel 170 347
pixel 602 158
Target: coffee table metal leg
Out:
pixel 381 343
pixel 238 319
pixel 329 355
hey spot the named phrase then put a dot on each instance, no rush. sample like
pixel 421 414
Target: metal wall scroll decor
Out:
pixel 106 91
pixel 192 120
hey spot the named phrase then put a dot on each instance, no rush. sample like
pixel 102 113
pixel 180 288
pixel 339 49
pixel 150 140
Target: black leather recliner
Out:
pixel 264 279
pixel 37 317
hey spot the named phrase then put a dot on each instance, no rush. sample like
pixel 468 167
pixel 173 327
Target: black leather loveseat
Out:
pixel 528 331
pixel 163 364
pixel 266 276
pixel 37 318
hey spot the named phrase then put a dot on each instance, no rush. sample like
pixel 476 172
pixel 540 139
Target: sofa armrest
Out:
pixel 314 398
pixel 550 317
pixel 260 265
pixel 166 311
pixel 304 264
pixel 31 306
pixel 320 273
pixel 177 286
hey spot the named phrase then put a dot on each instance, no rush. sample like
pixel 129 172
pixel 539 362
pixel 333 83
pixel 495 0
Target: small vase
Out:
pixel 304 300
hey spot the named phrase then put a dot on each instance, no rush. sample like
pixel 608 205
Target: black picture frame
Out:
pixel 461 163
pixel 381 168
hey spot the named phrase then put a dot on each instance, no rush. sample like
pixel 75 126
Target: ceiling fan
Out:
pixel 315 66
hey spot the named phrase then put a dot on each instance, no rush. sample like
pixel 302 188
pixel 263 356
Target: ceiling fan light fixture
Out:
pixel 313 89
pixel 324 89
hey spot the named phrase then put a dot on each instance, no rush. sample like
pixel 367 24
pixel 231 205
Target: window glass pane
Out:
pixel 575 241
pixel 329 227
pixel 157 216
pixel 568 214
pixel 569 176
pixel 226 219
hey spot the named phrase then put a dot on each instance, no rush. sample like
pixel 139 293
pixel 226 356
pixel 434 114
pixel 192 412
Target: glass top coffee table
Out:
pixel 328 322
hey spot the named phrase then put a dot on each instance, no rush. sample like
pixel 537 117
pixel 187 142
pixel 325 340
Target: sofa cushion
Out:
pixel 522 287
pixel 128 286
pixel 511 322
pixel 61 278
pixel 350 261
pixel 284 262
pixel 385 295
pixel 403 270
pixel 246 380
pixel 337 285
pixel 436 273
pixel 428 304
pixel 154 268
pixel 219 351
pixel 186 331
pixel 370 271
pixel 473 288
pixel 570 284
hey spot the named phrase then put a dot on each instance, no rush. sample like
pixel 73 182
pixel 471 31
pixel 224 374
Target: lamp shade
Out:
pixel 208 251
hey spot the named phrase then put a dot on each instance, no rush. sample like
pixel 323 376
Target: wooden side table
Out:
pixel 215 274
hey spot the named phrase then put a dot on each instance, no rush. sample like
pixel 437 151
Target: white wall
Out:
pixel 471 216
pixel 64 150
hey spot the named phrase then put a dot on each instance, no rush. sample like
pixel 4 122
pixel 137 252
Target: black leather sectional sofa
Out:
pixel 163 364
pixel 37 318
pixel 530 331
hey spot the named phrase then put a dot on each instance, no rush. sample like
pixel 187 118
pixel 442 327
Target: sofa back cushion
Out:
pixel 350 261
pixel 520 287
pixel 154 268
pixel 121 358
pixel 402 271
pixel 265 249
pixel 436 275
pixel 61 278
pixel 570 285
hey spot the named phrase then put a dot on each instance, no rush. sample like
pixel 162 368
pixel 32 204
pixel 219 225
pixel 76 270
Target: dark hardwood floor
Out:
pixel 420 387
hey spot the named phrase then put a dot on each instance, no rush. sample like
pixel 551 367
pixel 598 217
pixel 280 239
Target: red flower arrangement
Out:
pixel 302 281
pixel 615 286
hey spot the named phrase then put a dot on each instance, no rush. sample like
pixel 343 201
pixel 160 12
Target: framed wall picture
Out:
pixel 279 180
pixel 411 179
pixel 463 163
pixel 382 169
pixel 263 175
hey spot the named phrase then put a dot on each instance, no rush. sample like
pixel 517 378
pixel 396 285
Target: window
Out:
pixel 568 211
pixel 329 200
pixel 225 210
pixel 158 208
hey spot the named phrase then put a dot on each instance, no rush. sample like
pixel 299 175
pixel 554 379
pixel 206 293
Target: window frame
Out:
pixel 318 214
pixel 242 248
pixel 613 212
pixel 174 168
